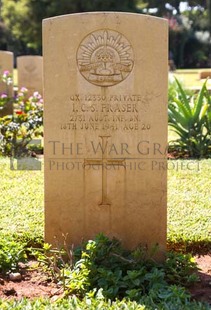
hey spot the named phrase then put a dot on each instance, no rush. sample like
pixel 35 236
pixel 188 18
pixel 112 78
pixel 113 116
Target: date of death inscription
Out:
pixel 114 112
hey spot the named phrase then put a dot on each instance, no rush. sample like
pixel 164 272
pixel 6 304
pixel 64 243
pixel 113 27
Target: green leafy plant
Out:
pixel 52 260
pixel 4 100
pixel 98 301
pixel 11 253
pixel 103 264
pixel 173 90
pixel 17 130
pixel 190 118
pixel 101 268
pixel 180 269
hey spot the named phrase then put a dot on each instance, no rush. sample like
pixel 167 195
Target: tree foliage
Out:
pixel 4 36
pixel 171 6
pixel 21 28
pixel 24 17
pixel 189 29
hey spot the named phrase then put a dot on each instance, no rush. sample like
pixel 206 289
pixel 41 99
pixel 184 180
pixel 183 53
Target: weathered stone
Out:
pixel 15 276
pixel 6 64
pixel 205 74
pixel 105 90
pixel 30 73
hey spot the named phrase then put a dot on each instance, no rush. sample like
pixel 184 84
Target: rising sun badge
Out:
pixel 105 58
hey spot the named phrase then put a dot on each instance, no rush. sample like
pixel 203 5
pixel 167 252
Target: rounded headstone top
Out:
pixel 6 53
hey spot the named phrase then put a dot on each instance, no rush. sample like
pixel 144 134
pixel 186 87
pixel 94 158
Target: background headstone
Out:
pixel 6 64
pixel 30 73
pixel 105 121
pixel 205 74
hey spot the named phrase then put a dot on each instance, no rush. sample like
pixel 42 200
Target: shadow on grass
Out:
pixel 201 247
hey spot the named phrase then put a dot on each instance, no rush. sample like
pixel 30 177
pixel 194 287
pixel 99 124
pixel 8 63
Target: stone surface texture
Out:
pixel 30 73
pixel 105 94
pixel 6 64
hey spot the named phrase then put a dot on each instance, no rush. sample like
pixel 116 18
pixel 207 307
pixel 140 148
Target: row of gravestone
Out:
pixel 30 72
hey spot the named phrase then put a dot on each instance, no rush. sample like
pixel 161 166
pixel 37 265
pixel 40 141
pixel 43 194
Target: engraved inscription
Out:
pixel 30 67
pixel 96 112
pixel 30 73
pixel 104 162
pixel 105 57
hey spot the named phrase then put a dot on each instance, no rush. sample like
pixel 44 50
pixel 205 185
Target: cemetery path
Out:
pixel 35 283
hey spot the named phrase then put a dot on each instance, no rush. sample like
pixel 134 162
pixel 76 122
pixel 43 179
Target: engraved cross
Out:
pixel 104 162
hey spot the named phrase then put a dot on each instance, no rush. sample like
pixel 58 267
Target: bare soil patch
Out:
pixel 36 283
pixel 201 291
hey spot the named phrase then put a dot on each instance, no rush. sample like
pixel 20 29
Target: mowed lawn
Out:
pixel 189 201
pixel 21 201
pixel 190 78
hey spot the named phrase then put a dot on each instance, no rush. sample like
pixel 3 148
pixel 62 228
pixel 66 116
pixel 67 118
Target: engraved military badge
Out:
pixel 105 58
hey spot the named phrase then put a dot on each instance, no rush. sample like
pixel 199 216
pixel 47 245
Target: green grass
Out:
pixel 189 202
pixel 189 222
pixel 21 201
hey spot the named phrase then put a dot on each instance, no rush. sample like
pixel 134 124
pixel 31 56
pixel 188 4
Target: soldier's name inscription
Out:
pixel 108 112
pixel 105 107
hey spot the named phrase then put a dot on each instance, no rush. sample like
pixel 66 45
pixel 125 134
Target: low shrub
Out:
pixel 11 253
pixel 190 118
pixel 17 130
pixel 96 302
pixel 102 265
